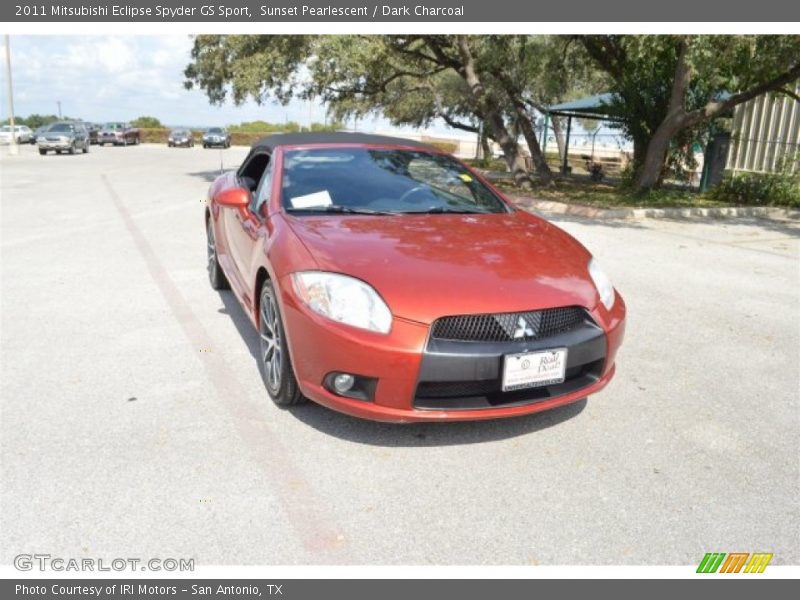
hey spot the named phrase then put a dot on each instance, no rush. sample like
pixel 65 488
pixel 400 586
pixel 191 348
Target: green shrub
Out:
pixel 449 147
pixel 764 189
pixel 154 135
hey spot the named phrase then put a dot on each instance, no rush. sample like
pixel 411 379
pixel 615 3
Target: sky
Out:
pixel 118 78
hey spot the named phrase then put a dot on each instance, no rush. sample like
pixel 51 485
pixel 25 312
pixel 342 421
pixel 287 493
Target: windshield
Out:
pixel 5 128
pixel 61 127
pixel 177 132
pixel 215 130
pixel 113 126
pixel 382 181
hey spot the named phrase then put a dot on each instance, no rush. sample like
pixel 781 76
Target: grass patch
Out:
pixel 603 195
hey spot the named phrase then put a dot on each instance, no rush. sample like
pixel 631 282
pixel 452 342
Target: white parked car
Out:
pixel 21 132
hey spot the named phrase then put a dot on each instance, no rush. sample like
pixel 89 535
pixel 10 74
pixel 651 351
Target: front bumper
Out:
pixel 418 381
pixel 52 145
pixel 110 139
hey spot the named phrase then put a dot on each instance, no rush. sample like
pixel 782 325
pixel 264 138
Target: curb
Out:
pixel 720 212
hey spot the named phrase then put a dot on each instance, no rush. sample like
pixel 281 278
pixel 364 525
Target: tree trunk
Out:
pixel 529 133
pixel 648 175
pixel 516 164
pixel 486 145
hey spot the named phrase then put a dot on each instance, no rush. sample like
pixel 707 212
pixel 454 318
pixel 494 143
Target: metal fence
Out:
pixel 766 134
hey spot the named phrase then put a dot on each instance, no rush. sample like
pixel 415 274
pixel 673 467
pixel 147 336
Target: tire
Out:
pixel 42 151
pixel 205 146
pixel 275 362
pixel 58 151
pixel 136 142
pixel 216 277
pixel 72 149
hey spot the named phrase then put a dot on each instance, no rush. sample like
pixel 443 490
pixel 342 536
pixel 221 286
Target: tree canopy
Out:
pixel 667 88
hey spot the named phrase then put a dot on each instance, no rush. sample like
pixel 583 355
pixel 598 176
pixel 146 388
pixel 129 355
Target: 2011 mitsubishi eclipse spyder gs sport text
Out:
pixel 389 281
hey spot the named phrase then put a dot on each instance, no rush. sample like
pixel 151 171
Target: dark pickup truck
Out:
pixel 119 134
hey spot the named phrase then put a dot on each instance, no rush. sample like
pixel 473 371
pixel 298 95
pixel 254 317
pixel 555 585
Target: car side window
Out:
pixel 264 191
pixel 251 176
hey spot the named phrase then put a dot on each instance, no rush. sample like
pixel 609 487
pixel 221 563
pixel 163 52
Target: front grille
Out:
pixel 507 327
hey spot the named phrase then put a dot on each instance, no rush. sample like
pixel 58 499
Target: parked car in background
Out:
pixel 22 134
pixel 216 137
pixel 64 136
pixel 180 137
pixel 389 281
pixel 118 134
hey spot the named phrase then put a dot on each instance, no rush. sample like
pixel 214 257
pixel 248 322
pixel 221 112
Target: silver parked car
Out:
pixel 64 136
pixel 22 134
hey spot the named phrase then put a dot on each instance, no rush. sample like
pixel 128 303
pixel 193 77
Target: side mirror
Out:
pixel 234 197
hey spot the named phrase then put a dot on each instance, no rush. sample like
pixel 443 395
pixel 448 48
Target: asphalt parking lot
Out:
pixel 135 422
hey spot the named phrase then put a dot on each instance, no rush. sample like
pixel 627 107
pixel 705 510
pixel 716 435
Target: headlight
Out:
pixel 602 283
pixel 344 299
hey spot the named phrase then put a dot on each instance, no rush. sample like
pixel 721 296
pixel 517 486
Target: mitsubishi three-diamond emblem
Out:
pixel 523 329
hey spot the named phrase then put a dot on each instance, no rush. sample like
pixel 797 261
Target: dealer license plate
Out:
pixel 534 369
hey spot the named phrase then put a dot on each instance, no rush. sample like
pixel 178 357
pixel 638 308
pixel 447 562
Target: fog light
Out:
pixel 349 385
pixel 343 382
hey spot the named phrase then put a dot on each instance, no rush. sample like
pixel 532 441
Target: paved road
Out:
pixel 135 423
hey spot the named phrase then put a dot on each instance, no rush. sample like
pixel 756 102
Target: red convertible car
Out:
pixel 389 281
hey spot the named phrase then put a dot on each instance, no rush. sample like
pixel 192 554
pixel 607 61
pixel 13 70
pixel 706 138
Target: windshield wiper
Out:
pixel 435 210
pixel 337 208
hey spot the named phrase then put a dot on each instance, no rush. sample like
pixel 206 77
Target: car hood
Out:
pixel 429 266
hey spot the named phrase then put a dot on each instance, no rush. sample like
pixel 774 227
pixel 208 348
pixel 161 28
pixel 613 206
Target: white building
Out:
pixel 765 136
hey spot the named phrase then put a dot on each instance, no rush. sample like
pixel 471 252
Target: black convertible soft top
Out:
pixel 334 137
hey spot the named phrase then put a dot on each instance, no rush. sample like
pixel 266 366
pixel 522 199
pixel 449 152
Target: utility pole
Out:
pixel 13 148
pixel 59 108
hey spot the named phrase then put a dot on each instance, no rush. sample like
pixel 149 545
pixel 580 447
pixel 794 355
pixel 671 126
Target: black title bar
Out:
pixel 333 589
pixel 355 11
